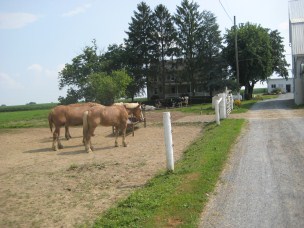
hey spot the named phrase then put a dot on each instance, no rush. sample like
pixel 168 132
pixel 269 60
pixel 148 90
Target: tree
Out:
pixel 257 57
pixel 138 45
pixel 108 87
pixel 114 59
pixel 279 64
pixel 163 44
pixel 75 75
pixel 189 26
pixel 212 66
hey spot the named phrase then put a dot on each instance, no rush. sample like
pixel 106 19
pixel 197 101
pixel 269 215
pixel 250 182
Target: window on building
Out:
pixel 173 89
pixel 273 86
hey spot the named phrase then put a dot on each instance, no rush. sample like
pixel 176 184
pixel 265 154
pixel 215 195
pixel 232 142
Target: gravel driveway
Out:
pixel 263 183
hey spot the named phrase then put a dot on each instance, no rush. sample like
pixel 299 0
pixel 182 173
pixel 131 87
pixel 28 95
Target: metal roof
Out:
pixel 296 29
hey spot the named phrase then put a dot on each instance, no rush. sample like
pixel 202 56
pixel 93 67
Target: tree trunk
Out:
pixel 248 91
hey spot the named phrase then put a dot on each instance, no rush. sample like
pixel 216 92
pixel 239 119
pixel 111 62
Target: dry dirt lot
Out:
pixel 44 188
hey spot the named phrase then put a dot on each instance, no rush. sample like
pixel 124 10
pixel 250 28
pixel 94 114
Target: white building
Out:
pixel 286 86
pixel 296 35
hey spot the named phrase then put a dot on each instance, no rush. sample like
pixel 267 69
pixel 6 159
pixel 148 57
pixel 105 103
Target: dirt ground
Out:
pixel 44 188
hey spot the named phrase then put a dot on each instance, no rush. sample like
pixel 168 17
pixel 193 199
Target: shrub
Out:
pixel 237 103
pixel 276 91
pixel 258 97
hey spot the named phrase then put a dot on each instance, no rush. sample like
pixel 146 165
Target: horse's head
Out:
pixel 137 112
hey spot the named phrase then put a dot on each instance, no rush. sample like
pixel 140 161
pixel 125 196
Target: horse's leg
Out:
pixel 124 136
pixel 55 137
pixel 60 146
pixel 88 142
pixel 116 136
pixel 67 132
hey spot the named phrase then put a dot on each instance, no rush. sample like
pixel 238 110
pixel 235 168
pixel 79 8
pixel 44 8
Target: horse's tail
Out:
pixel 85 124
pixel 50 118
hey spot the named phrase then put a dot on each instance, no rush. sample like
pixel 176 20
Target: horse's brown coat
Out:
pixel 115 115
pixel 66 115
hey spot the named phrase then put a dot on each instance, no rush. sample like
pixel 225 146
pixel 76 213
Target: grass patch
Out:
pixel 247 104
pixel 16 108
pixel 204 109
pixel 298 106
pixel 24 119
pixel 177 198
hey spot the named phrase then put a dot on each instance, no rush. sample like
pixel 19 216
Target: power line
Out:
pixel 226 11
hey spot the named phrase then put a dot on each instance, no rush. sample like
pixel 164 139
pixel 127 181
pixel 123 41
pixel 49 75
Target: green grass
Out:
pixel 247 104
pixel 32 107
pixel 177 198
pixel 24 119
pixel 204 109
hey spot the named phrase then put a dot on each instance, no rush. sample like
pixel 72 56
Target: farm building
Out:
pixel 296 35
pixel 280 83
pixel 173 83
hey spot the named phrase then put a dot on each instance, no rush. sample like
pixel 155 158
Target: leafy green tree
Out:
pixel 279 64
pixel 75 75
pixel 163 45
pixel 189 21
pixel 138 45
pixel 256 55
pixel 108 87
pixel 114 59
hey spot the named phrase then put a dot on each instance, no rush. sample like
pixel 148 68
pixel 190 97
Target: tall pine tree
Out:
pixel 212 67
pixel 138 46
pixel 163 46
pixel 189 21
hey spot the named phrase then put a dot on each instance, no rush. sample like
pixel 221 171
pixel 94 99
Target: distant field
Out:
pixel 27 107
pixel 24 119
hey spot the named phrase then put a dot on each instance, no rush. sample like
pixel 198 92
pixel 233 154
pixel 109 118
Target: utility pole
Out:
pixel 236 58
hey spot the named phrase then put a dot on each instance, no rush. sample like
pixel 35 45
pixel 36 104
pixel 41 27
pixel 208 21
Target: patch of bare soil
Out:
pixel 44 188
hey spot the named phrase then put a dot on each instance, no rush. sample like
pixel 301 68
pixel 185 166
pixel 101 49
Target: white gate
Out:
pixel 223 104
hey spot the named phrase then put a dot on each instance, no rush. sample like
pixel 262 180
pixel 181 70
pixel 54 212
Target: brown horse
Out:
pixel 115 115
pixel 66 115
pixel 133 109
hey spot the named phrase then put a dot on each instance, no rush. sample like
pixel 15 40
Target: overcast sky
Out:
pixel 38 37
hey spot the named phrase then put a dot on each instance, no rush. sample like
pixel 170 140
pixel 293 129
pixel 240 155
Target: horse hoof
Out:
pixel 60 147
pixel 125 145
pixel 89 151
pixel 55 149
pixel 116 144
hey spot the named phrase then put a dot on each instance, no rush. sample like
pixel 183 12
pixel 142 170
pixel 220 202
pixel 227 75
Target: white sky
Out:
pixel 37 37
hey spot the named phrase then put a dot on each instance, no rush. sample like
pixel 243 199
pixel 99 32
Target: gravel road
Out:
pixel 263 182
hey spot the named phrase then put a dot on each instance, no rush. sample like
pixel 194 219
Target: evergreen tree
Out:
pixel 189 21
pixel 138 45
pixel 212 67
pixel 163 45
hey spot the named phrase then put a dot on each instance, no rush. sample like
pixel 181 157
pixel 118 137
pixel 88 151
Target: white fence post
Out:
pixel 168 140
pixel 217 102
pixel 223 111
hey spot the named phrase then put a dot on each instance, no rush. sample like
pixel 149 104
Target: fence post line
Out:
pixel 217 110
pixel 168 140
pixel 223 111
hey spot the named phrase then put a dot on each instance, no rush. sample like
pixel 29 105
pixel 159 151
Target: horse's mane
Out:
pixel 127 105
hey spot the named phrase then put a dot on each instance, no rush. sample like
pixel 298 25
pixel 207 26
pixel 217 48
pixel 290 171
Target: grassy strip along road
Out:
pixel 177 198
